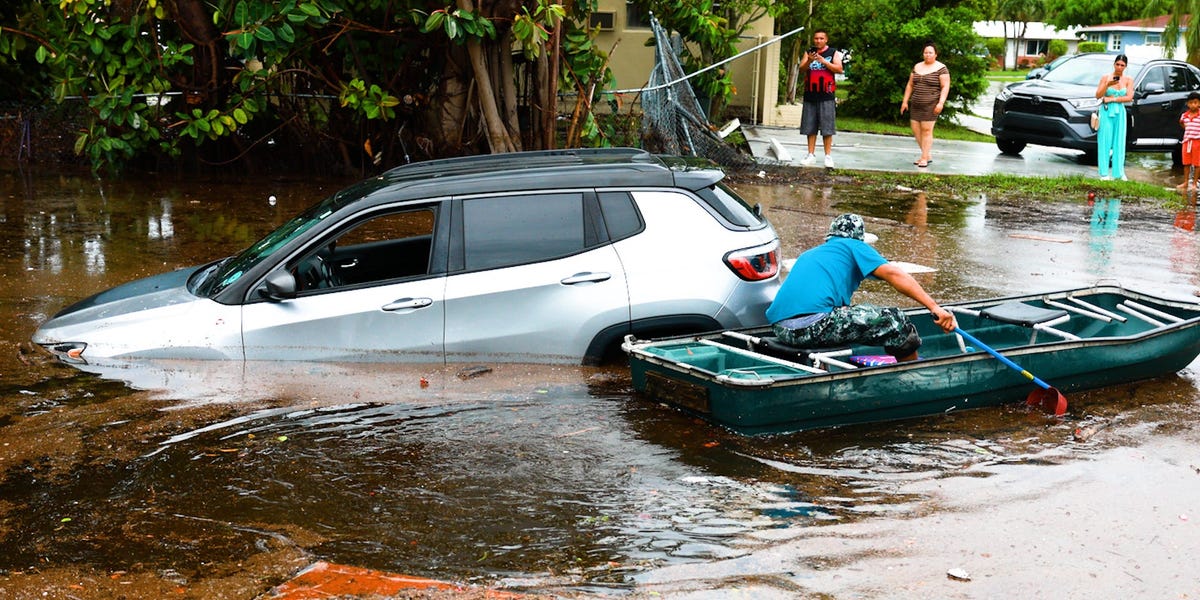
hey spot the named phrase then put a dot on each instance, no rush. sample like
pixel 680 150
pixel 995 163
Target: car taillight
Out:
pixel 755 264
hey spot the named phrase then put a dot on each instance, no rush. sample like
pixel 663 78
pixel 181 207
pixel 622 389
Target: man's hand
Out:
pixel 944 319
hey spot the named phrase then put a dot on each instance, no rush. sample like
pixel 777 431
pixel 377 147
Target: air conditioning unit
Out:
pixel 604 20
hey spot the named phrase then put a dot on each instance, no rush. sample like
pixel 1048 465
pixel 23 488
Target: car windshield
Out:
pixel 1086 70
pixel 231 270
pixel 215 280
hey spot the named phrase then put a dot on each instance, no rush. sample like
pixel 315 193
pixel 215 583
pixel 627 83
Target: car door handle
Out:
pixel 405 303
pixel 586 278
pixel 350 264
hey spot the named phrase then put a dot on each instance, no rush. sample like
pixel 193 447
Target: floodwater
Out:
pixel 222 480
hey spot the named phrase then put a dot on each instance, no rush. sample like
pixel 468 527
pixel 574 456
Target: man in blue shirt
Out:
pixel 813 310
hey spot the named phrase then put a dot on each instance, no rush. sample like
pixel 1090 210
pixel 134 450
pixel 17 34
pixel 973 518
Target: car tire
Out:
pixel 1013 147
pixel 1177 155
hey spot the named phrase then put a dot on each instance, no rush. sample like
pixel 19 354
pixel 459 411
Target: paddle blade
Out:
pixel 1049 400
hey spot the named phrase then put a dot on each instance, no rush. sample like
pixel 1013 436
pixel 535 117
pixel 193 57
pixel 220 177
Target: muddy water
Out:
pixel 213 480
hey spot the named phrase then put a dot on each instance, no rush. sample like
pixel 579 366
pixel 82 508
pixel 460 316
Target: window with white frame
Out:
pixel 1035 47
pixel 1153 39
pixel 1114 41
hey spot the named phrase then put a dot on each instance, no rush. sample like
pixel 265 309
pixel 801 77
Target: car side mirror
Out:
pixel 279 286
pixel 1152 88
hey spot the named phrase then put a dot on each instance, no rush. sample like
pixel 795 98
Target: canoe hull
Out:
pixel 708 381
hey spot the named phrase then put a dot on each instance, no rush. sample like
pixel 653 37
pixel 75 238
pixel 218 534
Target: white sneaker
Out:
pixel 1106 178
pixel 1124 178
pixel 828 161
pixel 809 160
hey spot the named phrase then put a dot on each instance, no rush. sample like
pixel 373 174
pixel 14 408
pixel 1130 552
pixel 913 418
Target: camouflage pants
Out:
pixel 859 324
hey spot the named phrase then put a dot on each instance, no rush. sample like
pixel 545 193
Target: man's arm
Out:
pixel 907 285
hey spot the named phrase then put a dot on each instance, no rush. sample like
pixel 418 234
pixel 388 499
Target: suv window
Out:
pixel 1155 75
pixel 620 216
pixel 383 247
pixel 730 205
pixel 512 230
pixel 1179 80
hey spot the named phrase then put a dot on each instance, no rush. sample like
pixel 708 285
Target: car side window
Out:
pixel 392 245
pixel 511 230
pixel 1177 80
pixel 620 216
pixel 1155 75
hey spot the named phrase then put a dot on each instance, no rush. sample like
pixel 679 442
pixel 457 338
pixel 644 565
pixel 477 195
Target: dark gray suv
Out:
pixel 1056 109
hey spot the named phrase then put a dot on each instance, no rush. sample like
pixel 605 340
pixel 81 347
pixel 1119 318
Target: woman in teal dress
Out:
pixel 1114 91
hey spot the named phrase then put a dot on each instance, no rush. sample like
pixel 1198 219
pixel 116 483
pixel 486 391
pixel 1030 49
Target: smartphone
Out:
pixel 1116 78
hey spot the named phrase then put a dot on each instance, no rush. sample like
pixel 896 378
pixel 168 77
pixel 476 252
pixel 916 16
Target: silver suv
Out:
pixel 548 256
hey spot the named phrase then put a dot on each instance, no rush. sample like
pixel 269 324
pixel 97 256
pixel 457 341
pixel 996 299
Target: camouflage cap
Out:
pixel 848 225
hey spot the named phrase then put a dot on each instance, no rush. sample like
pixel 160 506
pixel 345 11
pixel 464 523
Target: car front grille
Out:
pixel 1049 108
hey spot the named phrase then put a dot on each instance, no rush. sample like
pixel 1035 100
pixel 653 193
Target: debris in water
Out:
pixel 475 371
pixel 958 574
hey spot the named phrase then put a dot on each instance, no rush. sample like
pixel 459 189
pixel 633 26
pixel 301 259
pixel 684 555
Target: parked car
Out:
pixel 548 256
pixel 1056 109
pixel 1040 72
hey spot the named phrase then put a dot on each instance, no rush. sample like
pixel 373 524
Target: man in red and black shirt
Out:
pixel 819 66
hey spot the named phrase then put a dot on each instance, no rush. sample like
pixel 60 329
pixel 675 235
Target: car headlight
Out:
pixel 1082 103
pixel 1004 95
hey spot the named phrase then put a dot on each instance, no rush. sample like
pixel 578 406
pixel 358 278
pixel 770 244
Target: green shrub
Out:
pixel 1092 47
pixel 1055 49
pixel 996 47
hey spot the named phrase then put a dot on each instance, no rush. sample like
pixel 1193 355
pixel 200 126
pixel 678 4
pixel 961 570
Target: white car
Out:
pixel 549 256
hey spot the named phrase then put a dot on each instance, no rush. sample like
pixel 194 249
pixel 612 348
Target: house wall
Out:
pixel 1134 43
pixel 755 76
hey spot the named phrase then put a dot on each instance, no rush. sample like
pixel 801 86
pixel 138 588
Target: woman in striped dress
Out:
pixel 926 92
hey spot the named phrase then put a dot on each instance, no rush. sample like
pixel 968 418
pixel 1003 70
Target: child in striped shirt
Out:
pixel 1190 121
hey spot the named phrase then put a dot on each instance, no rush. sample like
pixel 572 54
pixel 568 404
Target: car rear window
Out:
pixel 731 206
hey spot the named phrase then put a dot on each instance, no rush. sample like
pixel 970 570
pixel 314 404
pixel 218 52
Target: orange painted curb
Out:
pixel 324 580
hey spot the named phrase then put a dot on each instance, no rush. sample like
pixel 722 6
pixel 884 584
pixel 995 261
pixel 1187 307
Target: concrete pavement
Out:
pixel 874 152
pixel 951 157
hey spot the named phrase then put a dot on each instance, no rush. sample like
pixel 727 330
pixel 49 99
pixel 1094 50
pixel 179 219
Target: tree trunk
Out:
pixel 508 85
pixel 498 139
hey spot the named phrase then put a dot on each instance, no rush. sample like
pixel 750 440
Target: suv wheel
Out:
pixel 1177 155
pixel 1010 146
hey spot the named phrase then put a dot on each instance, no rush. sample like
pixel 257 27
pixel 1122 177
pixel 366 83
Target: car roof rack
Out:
pixel 521 160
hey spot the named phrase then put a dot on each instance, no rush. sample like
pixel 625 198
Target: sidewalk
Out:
pixel 874 152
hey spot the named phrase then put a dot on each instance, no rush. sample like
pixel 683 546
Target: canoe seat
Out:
pixel 1023 315
pixel 773 346
pixel 1019 313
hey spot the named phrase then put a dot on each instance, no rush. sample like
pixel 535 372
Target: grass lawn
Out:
pixel 944 130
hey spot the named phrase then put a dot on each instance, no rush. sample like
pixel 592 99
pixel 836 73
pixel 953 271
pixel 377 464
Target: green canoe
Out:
pixel 1073 340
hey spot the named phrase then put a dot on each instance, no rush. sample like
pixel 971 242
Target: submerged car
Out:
pixel 1056 110
pixel 551 256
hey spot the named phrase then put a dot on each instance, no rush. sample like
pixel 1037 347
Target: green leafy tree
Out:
pixel 219 81
pixel 887 39
pixel 1071 13
pixel 1180 11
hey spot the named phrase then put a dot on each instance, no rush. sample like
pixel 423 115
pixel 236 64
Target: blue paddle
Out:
pixel 1049 398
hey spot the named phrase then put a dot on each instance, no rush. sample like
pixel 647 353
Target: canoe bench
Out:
pixel 1023 315
pixel 819 358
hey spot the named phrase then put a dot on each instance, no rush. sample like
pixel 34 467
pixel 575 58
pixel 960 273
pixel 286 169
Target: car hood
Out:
pixel 1052 89
pixel 142 294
